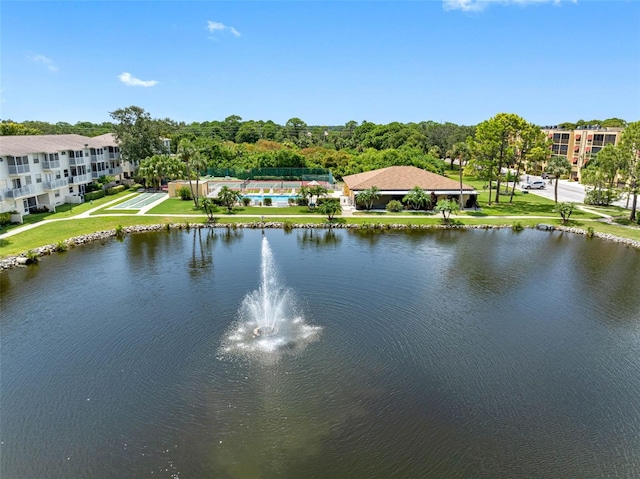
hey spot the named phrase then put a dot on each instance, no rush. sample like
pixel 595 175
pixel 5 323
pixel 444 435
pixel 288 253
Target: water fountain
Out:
pixel 269 320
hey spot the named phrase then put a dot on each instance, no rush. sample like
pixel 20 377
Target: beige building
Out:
pixel 579 146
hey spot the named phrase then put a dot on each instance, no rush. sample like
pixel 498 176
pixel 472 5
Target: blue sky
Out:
pixel 324 62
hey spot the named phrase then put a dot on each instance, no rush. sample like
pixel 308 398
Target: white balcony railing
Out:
pixel 77 161
pixel 18 169
pixel 78 179
pixel 56 184
pixel 18 192
pixel 50 165
pixel 115 171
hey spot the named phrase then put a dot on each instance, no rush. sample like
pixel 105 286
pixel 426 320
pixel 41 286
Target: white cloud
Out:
pixel 214 27
pixel 48 62
pixel 478 5
pixel 129 80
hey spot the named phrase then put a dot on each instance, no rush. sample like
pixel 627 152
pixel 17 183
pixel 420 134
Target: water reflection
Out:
pixel 319 238
pixel 201 260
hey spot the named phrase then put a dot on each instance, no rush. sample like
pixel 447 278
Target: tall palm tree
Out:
pixel 186 152
pixel 557 166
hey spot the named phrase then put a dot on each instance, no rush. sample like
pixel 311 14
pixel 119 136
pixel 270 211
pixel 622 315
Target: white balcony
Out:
pixel 115 171
pixel 114 156
pixel 18 169
pixel 56 184
pixel 51 165
pixel 19 192
pixel 77 161
pixel 78 179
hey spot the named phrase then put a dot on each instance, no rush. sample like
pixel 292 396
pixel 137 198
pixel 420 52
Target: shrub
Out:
pixel 61 246
pixel 268 201
pixel 184 193
pixel 603 197
pixel 119 232
pixel 287 225
pixel 246 201
pixel 32 257
pixel 115 190
pixel 517 226
pixel 394 206
pixel 5 219
pixel 135 187
pixel 93 196
pixel 302 201
pixel 590 232
pixel 92 187
pixel 291 201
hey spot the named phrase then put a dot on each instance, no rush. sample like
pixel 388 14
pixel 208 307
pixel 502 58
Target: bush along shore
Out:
pixel 32 256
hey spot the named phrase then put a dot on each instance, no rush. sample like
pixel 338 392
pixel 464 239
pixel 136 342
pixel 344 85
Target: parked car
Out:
pixel 546 176
pixel 534 185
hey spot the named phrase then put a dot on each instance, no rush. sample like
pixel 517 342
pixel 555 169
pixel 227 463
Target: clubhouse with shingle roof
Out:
pixel 395 182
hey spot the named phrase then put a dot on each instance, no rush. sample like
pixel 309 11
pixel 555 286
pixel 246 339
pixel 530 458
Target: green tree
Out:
pixel 228 197
pixel 416 198
pixel 368 197
pixel 447 208
pixel 137 134
pixel 600 174
pixel 209 207
pixel 530 142
pixel 494 147
pixel 10 128
pixel 558 166
pixel 330 207
pixel 630 163
pixel 195 162
pixel 564 208
pixel 157 168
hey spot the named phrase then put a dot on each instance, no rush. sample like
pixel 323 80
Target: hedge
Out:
pixel 115 190
pixel 94 195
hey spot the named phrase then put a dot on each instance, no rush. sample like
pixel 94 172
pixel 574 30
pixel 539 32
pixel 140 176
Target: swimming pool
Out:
pixel 274 198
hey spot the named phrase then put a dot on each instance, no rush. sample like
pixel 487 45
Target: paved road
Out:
pixel 567 191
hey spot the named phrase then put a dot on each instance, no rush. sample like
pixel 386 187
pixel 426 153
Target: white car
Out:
pixel 534 185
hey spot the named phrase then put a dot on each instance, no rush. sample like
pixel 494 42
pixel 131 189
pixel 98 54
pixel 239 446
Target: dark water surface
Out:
pixel 477 354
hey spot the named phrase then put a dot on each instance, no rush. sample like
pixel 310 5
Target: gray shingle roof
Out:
pixel 27 144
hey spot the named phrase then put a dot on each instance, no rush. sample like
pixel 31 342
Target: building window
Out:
pixel 556 137
pixel 71 189
pixel 609 139
pixel 598 140
pixel 28 179
pixel 54 156
pixel 36 160
pixel 66 173
pixel 63 153
pixel 564 149
pixel 57 194
pixel 38 178
pixel 565 138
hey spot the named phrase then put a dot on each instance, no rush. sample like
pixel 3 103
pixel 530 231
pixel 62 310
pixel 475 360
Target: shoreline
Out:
pixel 46 250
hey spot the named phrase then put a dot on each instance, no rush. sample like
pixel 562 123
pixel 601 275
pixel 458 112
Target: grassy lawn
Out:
pixel 67 210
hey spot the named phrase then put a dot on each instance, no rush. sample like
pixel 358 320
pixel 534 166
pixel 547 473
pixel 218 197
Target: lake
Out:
pixel 444 354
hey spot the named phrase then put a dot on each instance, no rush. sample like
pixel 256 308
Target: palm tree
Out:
pixel 331 208
pixel 186 153
pixel 368 196
pixel 461 152
pixel 228 197
pixel 417 198
pixel 198 163
pixel 558 165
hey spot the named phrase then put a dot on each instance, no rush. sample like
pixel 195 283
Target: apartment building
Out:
pixel 49 170
pixel 579 146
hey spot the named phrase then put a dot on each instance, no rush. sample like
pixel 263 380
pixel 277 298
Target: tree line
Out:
pixel 495 150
